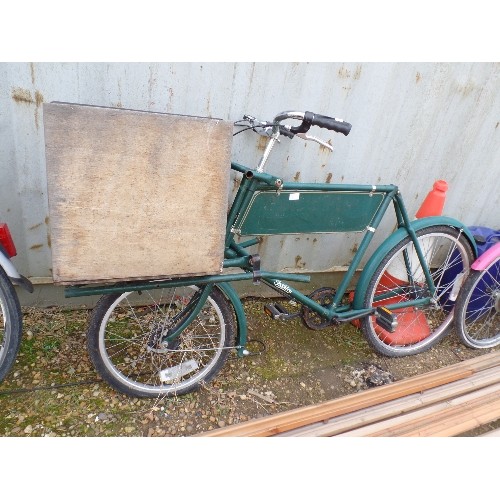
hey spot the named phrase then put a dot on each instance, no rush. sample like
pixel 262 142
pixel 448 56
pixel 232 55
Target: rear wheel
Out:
pixel 10 324
pixel 400 278
pixel 128 346
pixel 477 311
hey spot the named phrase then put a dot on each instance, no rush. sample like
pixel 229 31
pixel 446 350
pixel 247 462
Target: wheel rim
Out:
pixel 127 350
pixel 419 326
pixel 482 309
pixel 3 334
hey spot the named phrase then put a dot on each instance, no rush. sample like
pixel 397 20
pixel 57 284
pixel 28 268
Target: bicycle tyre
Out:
pixel 125 329
pixel 448 253
pixel 10 325
pixel 477 310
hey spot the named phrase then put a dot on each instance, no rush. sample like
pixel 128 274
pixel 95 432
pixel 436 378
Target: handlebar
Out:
pixel 274 129
pixel 310 119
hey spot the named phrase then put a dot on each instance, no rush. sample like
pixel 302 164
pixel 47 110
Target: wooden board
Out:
pixel 374 400
pixel 134 194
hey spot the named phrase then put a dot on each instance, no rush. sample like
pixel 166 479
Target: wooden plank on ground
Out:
pixel 285 421
pixel 446 418
pixel 345 423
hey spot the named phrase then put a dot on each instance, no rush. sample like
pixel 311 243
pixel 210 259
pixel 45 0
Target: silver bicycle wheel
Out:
pixel 400 278
pixel 10 325
pixel 477 316
pixel 128 347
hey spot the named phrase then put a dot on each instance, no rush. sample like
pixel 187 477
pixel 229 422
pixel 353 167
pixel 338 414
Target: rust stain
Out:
pixel 47 219
pixel 38 98
pixel 32 70
pixel 418 76
pixel 354 249
pixel 208 106
pixel 22 96
pixel 329 178
pixel 49 241
pixel 35 226
pixel 466 89
pixel 36 247
pixel 38 102
pixel 298 262
pixel 151 81
pixel 296 177
pixel 322 148
pixel 261 145
pixel 344 72
pixel 315 240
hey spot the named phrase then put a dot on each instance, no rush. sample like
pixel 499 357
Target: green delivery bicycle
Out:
pixel 166 337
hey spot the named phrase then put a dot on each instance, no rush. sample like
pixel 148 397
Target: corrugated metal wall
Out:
pixel 412 124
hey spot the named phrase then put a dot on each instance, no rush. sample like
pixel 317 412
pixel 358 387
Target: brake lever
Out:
pixel 262 128
pixel 307 137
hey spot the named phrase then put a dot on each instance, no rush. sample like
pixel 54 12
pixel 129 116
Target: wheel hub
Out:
pixel 496 298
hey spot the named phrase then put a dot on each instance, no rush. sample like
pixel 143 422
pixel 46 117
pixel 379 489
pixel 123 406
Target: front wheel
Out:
pixel 128 344
pixel 400 279
pixel 10 324
pixel 477 311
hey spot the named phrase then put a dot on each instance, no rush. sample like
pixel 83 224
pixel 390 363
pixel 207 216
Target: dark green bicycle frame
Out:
pixel 347 207
pixel 266 205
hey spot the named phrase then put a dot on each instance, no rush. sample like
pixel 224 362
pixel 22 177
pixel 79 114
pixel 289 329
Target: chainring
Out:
pixel 323 296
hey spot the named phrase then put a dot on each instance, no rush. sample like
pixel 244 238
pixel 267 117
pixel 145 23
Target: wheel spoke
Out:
pixel 477 319
pixel 129 348
pixel 400 279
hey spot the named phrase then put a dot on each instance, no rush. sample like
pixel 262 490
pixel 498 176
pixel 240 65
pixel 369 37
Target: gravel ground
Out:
pixel 53 389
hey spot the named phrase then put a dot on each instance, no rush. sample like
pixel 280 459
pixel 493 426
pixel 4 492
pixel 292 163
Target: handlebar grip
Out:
pixel 322 121
pixel 331 124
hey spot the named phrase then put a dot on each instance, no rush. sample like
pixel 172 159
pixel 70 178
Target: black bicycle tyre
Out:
pixel 101 356
pixel 11 330
pixel 440 319
pixel 477 309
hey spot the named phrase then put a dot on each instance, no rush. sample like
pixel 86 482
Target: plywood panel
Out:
pixel 134 194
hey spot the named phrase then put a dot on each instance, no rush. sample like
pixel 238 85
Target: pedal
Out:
pixel 386 319
pixel 276 311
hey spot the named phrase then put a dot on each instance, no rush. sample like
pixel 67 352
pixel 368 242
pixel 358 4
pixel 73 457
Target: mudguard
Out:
pixel 399 235
pixel 487 258
pixel 241 320
pixel 12 273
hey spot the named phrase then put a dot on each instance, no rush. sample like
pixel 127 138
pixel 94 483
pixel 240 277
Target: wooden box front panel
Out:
pixel 134 194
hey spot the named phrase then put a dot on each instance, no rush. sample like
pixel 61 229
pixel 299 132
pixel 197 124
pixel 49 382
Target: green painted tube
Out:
pixel 80 291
